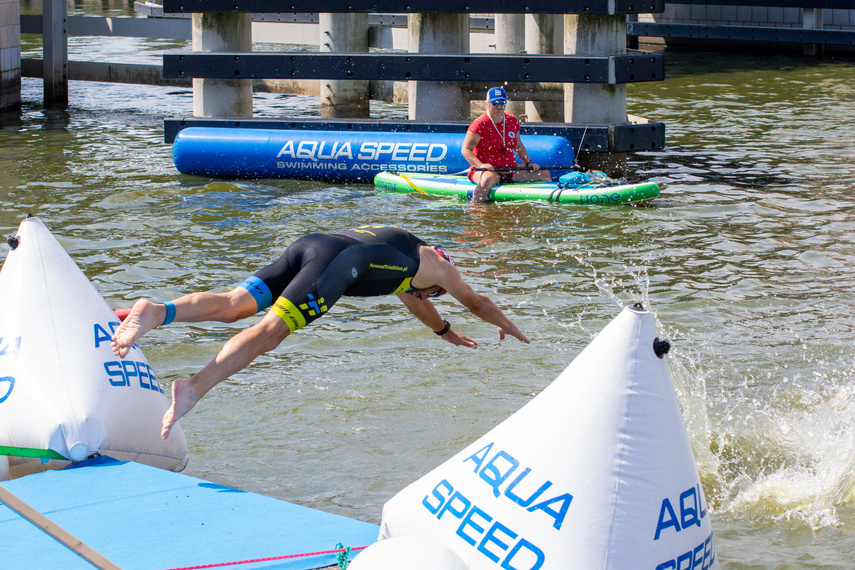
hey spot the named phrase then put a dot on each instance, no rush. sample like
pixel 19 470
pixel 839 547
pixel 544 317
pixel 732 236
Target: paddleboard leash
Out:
pixel 410 182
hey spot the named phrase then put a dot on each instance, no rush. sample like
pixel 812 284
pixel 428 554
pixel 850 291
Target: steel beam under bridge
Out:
pixel 611 69
pixel 742 33
pixel 420 6
pixel 631 137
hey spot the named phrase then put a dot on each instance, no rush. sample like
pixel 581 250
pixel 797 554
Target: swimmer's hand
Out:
pixel 516 333
pixel 458 339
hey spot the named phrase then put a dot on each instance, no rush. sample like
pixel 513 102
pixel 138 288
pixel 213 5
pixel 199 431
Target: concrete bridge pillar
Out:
pixel 586 104
pixel 812 20
pixel 10 55
pixel 222 32
pixel 510 39
pixel 544 33
pixel 438 100
pixel 346 33
pixel 55 49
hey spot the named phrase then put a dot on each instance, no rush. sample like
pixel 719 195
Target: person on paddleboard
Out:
pixel 493 142
pixel 300 287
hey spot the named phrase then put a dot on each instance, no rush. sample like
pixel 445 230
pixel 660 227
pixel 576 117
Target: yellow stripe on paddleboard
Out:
pixel 410 182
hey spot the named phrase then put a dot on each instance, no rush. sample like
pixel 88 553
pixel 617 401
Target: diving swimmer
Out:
pixel 300 287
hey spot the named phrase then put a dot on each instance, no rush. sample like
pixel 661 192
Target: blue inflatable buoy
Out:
pixel 335 155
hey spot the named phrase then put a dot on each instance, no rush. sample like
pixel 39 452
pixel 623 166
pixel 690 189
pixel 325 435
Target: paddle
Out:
pixel 509 168
pixel 575 166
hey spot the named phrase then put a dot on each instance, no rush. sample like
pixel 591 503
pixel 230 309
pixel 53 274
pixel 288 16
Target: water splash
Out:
pixel 777 446
pixel 786 453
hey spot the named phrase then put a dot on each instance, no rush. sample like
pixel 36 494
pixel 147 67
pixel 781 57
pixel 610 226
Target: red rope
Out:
pixel 219 564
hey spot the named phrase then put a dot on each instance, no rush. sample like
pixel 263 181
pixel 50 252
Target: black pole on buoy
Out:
pixel 661 347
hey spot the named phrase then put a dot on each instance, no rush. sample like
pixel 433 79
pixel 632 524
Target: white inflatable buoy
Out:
pixel 64 395
pixel 595 472
pixel 407 553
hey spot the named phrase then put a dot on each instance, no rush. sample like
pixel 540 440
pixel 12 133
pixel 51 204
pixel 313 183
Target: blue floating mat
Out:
pixel 140 517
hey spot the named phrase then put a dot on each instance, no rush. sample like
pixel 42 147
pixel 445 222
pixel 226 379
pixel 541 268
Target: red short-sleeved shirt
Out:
pixel 494 138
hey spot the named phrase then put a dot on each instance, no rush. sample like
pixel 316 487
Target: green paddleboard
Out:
pixel 604 192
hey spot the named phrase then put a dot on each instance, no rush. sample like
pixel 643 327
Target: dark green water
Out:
pixel 746 259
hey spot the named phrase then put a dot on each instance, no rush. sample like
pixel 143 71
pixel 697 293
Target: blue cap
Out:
pixel 496 94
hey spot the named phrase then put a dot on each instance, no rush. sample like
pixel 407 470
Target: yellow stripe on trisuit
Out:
pixel 288 312
pixel 405 285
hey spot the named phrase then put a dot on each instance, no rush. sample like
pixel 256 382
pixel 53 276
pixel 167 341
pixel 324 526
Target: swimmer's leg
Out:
pixel 235 355
pixel 227 307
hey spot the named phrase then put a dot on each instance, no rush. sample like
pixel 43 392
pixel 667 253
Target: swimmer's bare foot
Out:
pixel 143 317
pixel 183 401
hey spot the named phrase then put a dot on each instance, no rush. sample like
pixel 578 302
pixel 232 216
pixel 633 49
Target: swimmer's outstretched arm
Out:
pixel 424 311
pixel 486 310
pixel 446 276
